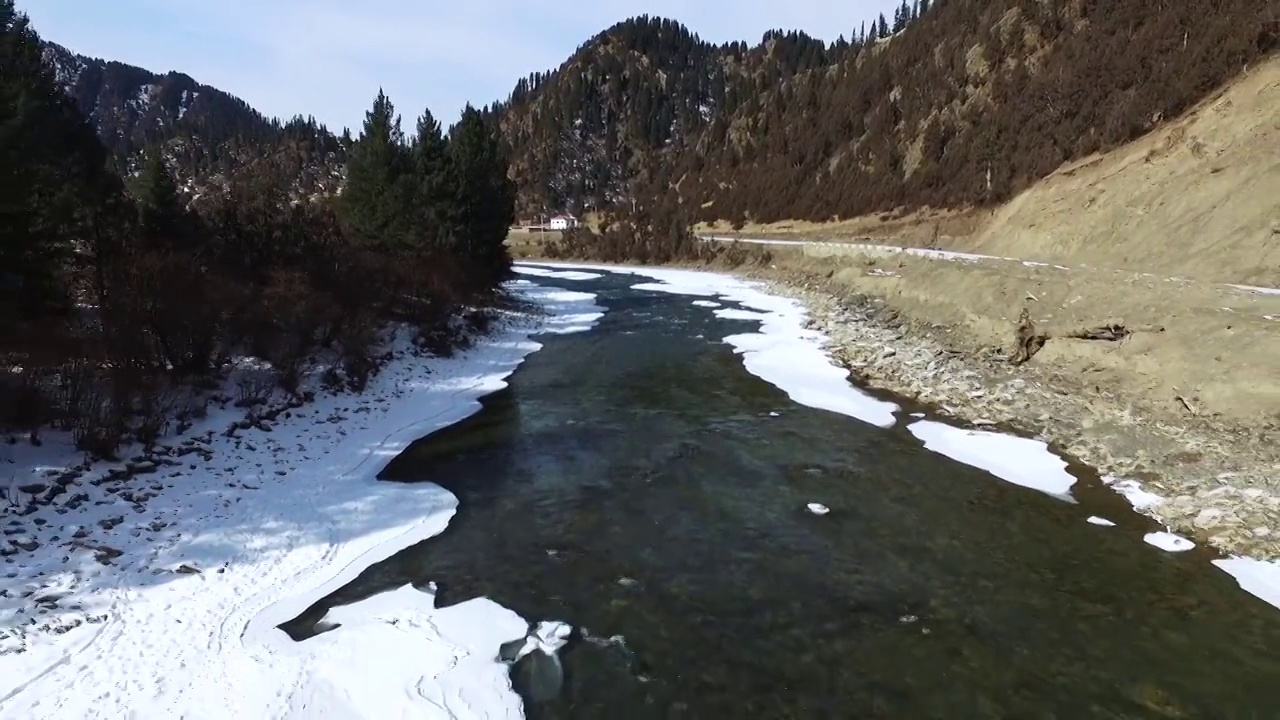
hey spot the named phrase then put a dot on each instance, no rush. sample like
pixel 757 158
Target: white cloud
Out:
pixel 328 58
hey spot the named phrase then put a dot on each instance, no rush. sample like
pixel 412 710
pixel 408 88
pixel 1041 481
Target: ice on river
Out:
pixel 1169 542
pixel 1021 461
pixel 555 274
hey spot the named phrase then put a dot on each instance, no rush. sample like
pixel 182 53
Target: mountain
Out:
pixel 206 134
pixel 644 89
pixel 969 102
pixel 955 103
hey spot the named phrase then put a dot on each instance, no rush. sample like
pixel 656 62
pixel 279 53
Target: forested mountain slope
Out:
pixel 966 105
pixel 206 133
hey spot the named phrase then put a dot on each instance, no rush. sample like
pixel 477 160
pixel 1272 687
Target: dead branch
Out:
pixel 1111 333
pixel 1186 404
pixel 1028 342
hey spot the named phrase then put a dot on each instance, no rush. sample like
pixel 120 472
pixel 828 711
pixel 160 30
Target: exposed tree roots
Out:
pixel 1028 342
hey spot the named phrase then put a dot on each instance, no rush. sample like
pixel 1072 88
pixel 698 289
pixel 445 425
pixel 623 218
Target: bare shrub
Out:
pixel 357 344
pixel 76 381
pixel 98 429
pixel 157 407
pixel 254 387
pixel 293 317
pixel 176 304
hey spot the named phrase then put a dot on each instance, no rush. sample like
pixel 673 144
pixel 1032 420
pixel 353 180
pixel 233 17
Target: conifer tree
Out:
pixel 483 196
pixel 161 215
pixel 375 199
pixel 430 163
pixel 53 170
pixel 883 27
pixel 28 254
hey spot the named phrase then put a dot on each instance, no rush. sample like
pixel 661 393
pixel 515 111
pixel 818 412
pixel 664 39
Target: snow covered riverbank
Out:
pixel 158 596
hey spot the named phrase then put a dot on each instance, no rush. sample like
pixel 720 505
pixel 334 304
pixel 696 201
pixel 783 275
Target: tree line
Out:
pixel 118 293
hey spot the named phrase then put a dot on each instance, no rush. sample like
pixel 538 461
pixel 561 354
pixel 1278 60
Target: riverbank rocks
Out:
pixel 1218 484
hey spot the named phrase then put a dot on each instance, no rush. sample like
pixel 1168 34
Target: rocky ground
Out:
pixel 1219 481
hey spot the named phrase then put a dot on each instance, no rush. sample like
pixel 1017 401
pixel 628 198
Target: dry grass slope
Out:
pixel 1198 198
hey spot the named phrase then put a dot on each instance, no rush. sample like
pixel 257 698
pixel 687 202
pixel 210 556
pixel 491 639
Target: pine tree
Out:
pixel 430 162
pixel 162 221
pixel 924 6
pixel 28 256
pixel 483 196
pixel 375 199
pixel 53 171
pixel 883 27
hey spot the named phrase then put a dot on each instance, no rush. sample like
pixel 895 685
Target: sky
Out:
pixel 328 58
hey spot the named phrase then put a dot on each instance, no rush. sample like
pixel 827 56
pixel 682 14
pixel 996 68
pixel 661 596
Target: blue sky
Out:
pixel 329 57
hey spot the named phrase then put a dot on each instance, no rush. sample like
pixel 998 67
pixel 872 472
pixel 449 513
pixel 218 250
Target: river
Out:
pixel 637 483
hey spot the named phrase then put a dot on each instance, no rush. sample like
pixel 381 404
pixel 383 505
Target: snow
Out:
pixel 783 353
pixel 864 247
pixel 951 255
pixel 547 638
pixel 1132 491
pixel 1167 541
pixel 397 646
pixel 1101 521
pixel 817 508
pixel 706 303
pixel 1257 577
pixel 1021 461
pixel 738 314
pixel 556 274
pixel 203 570
pixel 1254 289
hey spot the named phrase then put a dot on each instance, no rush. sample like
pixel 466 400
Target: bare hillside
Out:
pixel 1198 198
pixel 1195 198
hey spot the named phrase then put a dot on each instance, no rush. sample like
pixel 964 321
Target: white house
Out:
pixel 563 222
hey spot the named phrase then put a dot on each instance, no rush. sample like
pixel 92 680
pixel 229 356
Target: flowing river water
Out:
pixel 638 484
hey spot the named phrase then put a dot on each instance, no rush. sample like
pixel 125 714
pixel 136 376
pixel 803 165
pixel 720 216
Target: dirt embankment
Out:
pixel 1197 198
pixel 1149 236
pixel 1191 412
